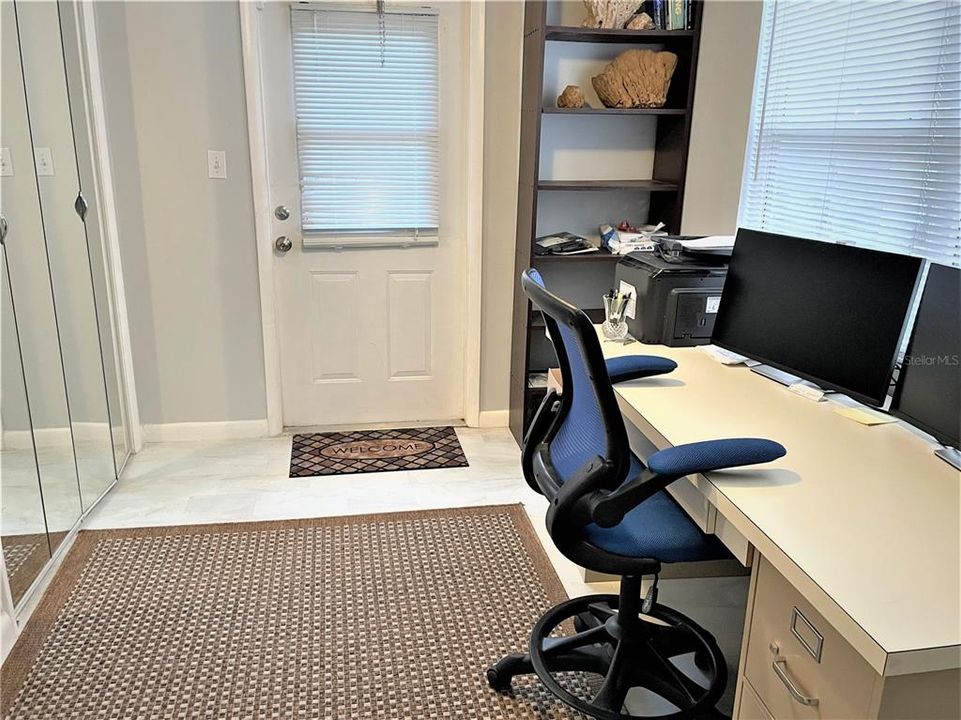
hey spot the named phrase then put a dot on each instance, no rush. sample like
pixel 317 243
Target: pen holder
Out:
pixel 614 327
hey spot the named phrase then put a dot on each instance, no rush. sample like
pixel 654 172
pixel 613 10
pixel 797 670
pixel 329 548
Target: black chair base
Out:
pixel 613 639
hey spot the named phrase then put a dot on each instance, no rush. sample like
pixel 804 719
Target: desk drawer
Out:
pixel 793 653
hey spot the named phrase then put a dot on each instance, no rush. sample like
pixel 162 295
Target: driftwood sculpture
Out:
pixel 609 13
pixel 572 97
pixel 636 78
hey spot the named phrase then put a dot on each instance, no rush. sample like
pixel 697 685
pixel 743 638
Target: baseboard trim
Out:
pixel 54 437
pixel 228 430
pixel 493 418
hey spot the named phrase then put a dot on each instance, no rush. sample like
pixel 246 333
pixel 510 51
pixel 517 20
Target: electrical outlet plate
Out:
pixel 217 164
pixel 6 163
pixel 43 157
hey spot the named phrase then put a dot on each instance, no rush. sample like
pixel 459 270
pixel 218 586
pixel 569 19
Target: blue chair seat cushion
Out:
pixel 658 529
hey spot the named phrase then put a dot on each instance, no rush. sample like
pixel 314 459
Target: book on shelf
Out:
pixel 669 14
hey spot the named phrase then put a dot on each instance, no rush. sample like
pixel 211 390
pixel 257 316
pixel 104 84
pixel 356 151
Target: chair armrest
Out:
pixel 666 466
pixel 714 455
pixel 631 367
pixel 609 508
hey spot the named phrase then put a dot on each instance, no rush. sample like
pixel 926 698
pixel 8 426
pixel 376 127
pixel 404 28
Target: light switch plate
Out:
pixel 217 164
pixel 6 162
pixel 43 157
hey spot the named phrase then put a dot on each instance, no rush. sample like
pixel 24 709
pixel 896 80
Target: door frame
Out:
pixel 250 28
pixel 117 296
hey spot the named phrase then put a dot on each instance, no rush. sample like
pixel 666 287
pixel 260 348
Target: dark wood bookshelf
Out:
pixel 595 314
pixel 614 111
pixel 529 354
pixel 648 185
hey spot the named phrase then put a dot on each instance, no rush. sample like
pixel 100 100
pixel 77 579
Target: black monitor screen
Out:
pixel 833 314
pixel 929 387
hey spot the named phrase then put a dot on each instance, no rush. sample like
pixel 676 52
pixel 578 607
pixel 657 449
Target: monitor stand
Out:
pixel 950 455
pixel 779 376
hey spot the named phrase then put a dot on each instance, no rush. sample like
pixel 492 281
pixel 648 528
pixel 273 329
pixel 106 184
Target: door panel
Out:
pixel 335 350
pixel 369 334
pixel 409 312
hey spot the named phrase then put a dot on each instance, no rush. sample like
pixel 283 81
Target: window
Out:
pixel 365 93
pixel 856 126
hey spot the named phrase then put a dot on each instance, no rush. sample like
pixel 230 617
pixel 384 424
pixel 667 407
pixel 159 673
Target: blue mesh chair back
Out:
pixel 588 424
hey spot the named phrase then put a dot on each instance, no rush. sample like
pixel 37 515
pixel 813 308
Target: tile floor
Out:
pixel 242 480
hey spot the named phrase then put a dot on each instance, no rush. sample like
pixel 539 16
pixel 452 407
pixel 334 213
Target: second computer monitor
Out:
pixel 929 387
pixel 833 314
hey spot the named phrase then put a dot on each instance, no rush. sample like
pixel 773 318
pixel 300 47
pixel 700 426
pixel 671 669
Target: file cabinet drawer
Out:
pixel 751 707
pixel 798 664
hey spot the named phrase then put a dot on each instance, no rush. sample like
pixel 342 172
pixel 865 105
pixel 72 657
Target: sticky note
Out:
pixel 865 417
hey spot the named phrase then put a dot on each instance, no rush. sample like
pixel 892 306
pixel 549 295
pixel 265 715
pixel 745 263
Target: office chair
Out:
pixel 611 513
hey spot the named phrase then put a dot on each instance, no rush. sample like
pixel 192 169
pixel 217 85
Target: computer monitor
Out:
pixel 928 393
pixel 832 314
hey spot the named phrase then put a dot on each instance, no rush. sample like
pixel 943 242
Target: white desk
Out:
pixel 864 522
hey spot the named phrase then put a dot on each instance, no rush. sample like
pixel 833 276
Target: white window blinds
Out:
pixel 365 94
pixel 856 126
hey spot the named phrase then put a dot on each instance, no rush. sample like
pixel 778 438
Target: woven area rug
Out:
pixel 361 451
pixel 384 617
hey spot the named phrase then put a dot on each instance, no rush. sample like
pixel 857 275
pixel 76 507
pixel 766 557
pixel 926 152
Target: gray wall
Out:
pixel 173 77
pixel 722 110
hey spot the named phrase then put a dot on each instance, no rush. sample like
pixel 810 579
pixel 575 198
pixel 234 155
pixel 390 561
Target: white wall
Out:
pixel 722 109
pixel 502 122
pixel 173 81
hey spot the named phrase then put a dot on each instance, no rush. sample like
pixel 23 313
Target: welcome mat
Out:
pixel 370 617
pixel 361 451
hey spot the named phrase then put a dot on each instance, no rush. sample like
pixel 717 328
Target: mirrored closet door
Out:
pixel 63 437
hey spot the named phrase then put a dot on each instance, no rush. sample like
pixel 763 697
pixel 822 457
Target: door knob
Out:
pixel 283 244
pixel 281 212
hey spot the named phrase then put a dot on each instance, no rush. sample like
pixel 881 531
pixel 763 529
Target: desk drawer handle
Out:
pixel 780 669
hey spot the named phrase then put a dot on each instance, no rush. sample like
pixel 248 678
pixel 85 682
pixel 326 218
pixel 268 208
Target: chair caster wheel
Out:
pixel 501 682
pixel 500 674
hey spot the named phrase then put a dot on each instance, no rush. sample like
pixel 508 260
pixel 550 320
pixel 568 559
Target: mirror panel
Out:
pixel 36 431
pixel 23 532
pixel 71 274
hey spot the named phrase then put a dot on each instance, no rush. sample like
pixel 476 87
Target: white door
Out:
pixel 370 328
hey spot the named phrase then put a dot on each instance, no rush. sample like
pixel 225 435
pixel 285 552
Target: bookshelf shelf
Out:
pixel 648 185
pixel 565 33
pixel 599 256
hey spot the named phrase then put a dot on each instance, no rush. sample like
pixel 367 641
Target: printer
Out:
pixel 675 299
